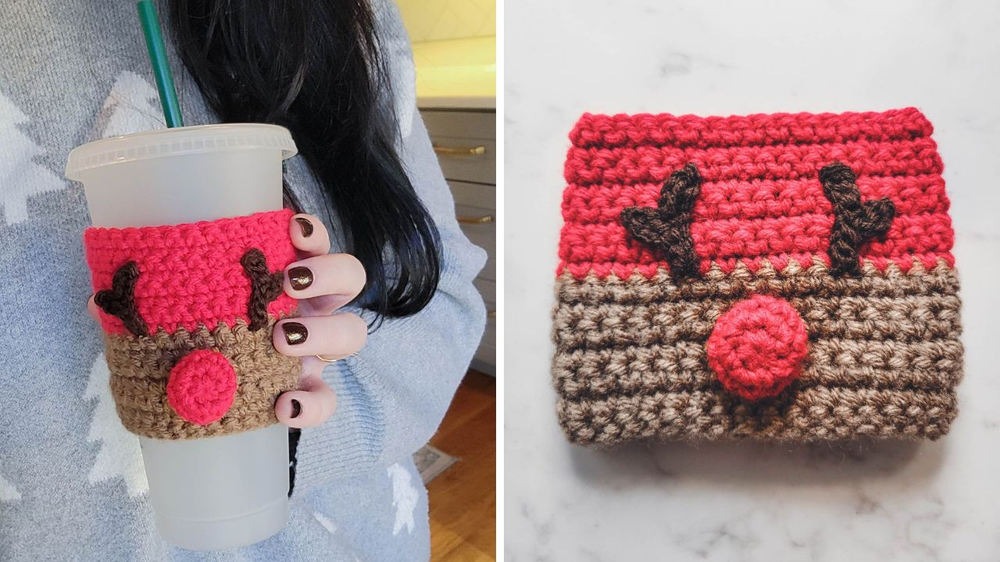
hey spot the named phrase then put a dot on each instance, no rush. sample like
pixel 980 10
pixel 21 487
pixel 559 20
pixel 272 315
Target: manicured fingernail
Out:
pixel 296 408
pixel 300 277
pixel 295 333
pixel 306 225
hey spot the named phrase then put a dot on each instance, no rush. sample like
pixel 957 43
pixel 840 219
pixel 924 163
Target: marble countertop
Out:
pixel 870 500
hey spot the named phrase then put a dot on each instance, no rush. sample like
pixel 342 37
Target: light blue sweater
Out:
pixel 72 485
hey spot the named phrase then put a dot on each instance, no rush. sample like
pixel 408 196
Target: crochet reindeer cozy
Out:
pixel 188 312
pixel 784 277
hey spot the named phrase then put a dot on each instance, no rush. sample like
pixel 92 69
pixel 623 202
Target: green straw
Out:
pixel 161 68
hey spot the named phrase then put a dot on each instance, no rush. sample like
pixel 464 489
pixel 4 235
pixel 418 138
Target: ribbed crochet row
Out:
pixel 585 166
pixel 191 274
pixel 693 131
pixel 813 414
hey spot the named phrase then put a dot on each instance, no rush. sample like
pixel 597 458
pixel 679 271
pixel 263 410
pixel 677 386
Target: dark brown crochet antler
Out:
pixel 667 228
pixel 119 300
pixel 854 222
pixel 265 286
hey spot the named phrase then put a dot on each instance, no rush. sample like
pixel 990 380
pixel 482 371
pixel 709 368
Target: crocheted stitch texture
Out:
pixel 189 312
pixel 757 347
pixel 202 386
pixel 191 274
pixel 141 373
pixel 840 220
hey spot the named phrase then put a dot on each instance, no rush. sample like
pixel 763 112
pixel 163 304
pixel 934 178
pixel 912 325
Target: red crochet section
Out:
pixel 757 347
pixel 751 130
pixel 761 198
pixel 191 274
pixel 202 386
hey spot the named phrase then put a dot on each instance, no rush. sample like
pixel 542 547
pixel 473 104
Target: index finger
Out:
pixel 309 235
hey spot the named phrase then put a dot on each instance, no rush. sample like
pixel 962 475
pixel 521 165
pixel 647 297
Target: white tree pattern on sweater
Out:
pixel 8 492
pixel 325 521
pixel 20 176
pixel 404 498
pixel 130 107
pixel 119 455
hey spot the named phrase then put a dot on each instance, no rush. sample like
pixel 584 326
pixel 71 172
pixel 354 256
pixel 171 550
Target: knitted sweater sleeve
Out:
pixel 392 396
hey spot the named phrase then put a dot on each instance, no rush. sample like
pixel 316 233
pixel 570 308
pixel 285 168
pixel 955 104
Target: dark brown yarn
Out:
pixel 667 228
pixel 265 286
pixel 854 222
pixel 119 300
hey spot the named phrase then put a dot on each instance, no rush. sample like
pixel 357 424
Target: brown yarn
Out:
pixel 854 222
pixel 140 368
pixel 884 355
pixel 667 228
pixel 119 300
pixel 265 286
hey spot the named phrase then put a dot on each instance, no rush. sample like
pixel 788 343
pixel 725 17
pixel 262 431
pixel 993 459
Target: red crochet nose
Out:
pixel 202 386
pixel 757 347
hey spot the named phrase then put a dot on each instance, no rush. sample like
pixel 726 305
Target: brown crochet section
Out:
pixel 884 356
pixel 667 228
pixel 854 222
pixel 265 286
pixel 140 368
pixel 119 300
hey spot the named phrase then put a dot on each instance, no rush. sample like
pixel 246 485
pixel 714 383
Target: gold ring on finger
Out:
pixel 326 360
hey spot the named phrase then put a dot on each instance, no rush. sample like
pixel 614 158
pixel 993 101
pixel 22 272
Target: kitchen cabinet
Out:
pixel 465 144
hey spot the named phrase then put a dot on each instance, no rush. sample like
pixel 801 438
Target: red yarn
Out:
pixel 191 274
pixel 760 198
pixel 757 347
pixel 749 130
pixel 202 386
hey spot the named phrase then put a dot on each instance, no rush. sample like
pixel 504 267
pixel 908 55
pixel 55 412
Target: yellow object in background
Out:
pixel 438 20
pixel 457 73
pixel 454 50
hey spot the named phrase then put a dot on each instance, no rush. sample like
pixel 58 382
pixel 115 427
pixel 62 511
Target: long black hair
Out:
pixel 316 68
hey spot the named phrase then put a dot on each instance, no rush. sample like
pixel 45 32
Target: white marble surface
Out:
pixel 873 501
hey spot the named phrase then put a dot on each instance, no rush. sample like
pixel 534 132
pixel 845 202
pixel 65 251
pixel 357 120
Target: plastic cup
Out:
pixel 217 492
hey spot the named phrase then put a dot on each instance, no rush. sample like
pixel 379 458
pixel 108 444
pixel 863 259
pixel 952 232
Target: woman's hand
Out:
pixel 323 283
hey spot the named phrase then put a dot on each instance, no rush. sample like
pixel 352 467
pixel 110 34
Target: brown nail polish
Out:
pixel 295 333
pixel 296 408
pixel 306 225
pixel 300 277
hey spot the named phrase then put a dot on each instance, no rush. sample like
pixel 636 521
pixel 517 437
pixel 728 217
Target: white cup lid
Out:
pixel 181 140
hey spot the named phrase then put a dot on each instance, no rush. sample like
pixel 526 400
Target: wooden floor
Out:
pixel 463 498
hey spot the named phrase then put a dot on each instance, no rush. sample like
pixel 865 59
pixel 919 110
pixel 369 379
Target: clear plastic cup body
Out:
pixel 217 492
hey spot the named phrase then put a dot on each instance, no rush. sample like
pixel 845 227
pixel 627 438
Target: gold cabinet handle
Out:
pixel 460 150
pixel 491 313
pixel 485 219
